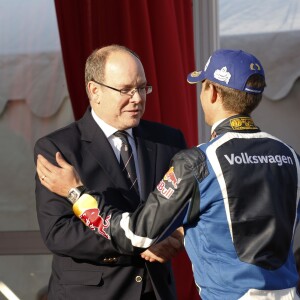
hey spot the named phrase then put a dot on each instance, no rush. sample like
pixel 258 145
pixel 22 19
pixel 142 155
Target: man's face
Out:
pixel 123 71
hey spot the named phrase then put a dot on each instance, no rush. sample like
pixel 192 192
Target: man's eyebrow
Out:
pixel 133 86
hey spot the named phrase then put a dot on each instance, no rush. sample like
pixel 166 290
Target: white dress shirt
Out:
pixel 116 142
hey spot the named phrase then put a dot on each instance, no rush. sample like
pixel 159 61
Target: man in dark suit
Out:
pixel 86 266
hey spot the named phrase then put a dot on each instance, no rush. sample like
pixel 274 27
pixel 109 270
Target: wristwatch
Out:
pixel 75 193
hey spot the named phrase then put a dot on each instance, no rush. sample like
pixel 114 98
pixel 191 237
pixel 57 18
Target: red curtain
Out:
pixel 161 33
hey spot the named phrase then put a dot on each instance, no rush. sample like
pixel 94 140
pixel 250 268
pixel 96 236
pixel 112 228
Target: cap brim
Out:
pixel 195 77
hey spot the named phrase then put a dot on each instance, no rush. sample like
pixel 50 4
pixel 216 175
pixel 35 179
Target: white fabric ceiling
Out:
pixel 28 26
pixel 33 100
pixel 270 30
pixel 30 56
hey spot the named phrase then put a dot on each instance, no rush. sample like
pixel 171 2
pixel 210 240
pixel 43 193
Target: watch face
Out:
pixel 73 196
pixel 75 193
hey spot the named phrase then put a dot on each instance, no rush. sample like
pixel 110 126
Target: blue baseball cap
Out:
pixel 231 68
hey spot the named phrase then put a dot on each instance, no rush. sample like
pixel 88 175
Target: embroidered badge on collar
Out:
pixel 242 123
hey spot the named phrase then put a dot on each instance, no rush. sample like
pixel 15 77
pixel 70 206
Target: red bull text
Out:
pixel 169 177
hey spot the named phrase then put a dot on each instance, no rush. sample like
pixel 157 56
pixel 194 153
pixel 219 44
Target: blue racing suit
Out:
pixel 237 198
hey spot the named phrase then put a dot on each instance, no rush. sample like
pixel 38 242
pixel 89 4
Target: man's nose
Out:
pixel 136 96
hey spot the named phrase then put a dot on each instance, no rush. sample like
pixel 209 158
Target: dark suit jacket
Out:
pixel 81 268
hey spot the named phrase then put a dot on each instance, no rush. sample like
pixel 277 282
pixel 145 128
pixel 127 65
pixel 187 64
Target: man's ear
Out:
pixel 213 93
pixel 93 88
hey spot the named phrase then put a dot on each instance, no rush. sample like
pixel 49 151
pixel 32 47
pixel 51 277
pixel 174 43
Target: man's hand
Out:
pixel 58 180
pixel 166 249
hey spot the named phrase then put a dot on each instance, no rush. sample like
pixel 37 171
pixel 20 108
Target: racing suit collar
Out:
pixel 240 123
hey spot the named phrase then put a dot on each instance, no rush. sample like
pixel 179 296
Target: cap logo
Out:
pixel 195 73
pixel 207 63
pixel 255 67
pixel 222 75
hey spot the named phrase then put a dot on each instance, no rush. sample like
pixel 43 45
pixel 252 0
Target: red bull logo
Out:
pixel 171 177
pixel 166 192
pixel 92 219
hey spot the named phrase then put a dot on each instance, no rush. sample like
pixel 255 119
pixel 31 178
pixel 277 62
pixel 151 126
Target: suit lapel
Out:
pixel 100 148
pixel 146 158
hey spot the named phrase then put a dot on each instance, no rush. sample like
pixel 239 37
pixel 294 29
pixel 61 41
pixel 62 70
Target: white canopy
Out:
pixel 30 56
pixel 271 31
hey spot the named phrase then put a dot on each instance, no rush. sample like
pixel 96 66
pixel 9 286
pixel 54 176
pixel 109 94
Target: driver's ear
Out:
pixel 214 93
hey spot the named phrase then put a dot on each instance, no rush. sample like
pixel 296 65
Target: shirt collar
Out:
pixel 106 128
pixel 216 124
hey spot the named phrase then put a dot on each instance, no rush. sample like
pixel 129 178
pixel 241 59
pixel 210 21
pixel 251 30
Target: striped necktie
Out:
pixel 127 161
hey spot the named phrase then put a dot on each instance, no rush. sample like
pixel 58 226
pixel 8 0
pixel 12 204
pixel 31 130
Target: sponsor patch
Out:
pixel 166 192
pixel 92 219
pixel 245 158
pixel 171 177
pixel 242 123
pixel 255 66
